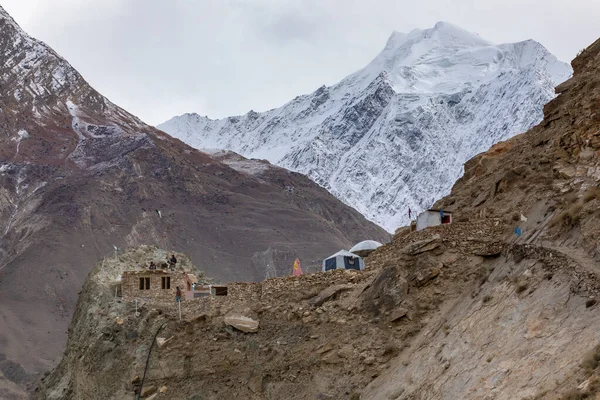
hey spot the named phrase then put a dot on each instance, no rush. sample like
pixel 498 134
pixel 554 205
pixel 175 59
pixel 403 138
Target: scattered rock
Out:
pixel 328 294
pixel 398 314
pixel 131 335
pixel 325 348
pixel 198 318
pixel 423 246
pixel 332 358
pixel 426 275
pixel 162 341
pixel 242 323
pixel 590 302
pixel 255 383
pixel 135 380
pixel 149 390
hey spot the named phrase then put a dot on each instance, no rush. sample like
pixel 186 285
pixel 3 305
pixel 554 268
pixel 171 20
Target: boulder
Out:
pixel 162 341
pixel 398 314
pixel 242 323
pixel 423 277
pixel 423 246
pixel 385 293
pixel 328 294
pixel 325 348
pixel 255 383
pixel 148 391
pixel 131 334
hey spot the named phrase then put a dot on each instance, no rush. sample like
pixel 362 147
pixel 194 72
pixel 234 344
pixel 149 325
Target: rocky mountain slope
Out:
pixel 396 134
pixel 79 175
pixel 462 311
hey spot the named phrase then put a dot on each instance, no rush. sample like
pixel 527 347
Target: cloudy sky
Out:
pixel 160 58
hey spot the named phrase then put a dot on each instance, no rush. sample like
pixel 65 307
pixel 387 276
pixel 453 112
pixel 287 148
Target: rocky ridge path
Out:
pixel 456 301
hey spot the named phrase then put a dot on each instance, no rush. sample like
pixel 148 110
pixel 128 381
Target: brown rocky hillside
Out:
pixel 462 311
pixel 79 175
pixel 550 174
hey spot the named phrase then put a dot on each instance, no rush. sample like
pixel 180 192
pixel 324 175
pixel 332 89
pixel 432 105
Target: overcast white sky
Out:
pixel 160 58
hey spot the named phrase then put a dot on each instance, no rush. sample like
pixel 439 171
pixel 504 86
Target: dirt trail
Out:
pixel 579 256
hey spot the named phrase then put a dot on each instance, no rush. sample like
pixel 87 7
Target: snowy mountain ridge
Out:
pixel 396 134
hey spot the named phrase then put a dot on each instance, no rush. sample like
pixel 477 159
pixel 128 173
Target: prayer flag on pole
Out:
pixel 297 271
pixel 523 218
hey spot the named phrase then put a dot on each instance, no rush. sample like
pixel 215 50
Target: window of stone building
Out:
pixel 144 283
pixel 166 282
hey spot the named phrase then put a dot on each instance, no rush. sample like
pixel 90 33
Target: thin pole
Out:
pixel 179 305
pixel 148 360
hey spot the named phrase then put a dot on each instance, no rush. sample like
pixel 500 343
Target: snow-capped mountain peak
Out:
pixel 443 58
pixel 396 133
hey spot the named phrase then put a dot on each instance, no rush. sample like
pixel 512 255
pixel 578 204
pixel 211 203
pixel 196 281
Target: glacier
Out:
pixel 395 134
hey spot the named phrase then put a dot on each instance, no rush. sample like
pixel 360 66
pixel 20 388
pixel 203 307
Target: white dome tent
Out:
pixel 365 247
pixel 343 260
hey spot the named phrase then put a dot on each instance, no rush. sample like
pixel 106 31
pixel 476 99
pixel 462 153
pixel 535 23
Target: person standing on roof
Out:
pixel 172 262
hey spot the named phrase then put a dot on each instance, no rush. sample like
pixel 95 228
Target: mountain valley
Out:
pixel 81 177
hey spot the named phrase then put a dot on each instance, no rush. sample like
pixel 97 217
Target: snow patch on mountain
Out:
pixel 396 134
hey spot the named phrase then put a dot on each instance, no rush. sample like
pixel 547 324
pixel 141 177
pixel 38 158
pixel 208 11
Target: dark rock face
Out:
pixel 79 175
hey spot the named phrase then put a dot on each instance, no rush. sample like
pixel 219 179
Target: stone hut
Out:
pixel 155 285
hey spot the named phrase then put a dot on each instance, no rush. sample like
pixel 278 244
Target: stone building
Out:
pixel 156 285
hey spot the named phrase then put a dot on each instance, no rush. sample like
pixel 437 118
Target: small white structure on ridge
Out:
pixel 433 218
pixel 364 248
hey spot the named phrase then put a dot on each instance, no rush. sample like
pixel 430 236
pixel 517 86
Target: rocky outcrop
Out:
pixel 549 174
pixel 328 294
pixel 401 329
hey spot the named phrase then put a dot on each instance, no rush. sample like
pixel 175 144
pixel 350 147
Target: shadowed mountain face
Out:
pixel 79 174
